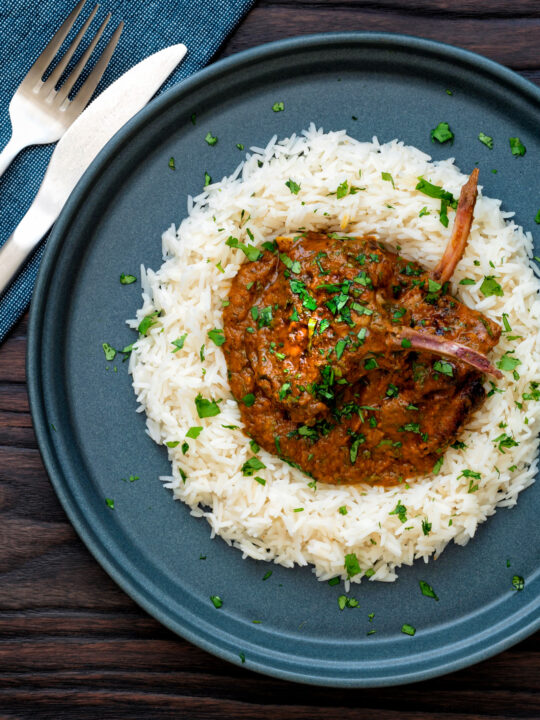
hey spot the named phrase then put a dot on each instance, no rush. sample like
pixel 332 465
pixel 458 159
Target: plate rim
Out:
pixel 95 544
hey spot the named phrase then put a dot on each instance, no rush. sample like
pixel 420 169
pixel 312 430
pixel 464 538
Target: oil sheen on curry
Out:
pixel 351 362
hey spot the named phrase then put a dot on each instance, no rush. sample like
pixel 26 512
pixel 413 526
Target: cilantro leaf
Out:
pixel 427 590
pixel 179 342
pixel 293 187
pixel 278 107
pixel 194 432
pixel 172 164
pixel 127 279
pixel 486 139
pixel 110 352
pixel 491 287
pixel 206 408
pixel 147 322
pixel 251 465
pixel 443 367
pixel 401 511
pixel 211 139
pixel 508 363
pixel 442 133
pixel 351 565
pixel 217 336
pixel 388 177
pixel 517 146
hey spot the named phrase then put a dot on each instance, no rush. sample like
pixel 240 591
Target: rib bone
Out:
pixel 432 343
pixel 460 232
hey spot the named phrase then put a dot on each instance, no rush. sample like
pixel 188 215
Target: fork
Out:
pixel 40 112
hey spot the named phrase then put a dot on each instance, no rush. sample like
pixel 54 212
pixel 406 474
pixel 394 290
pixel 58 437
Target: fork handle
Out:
pixel 10 152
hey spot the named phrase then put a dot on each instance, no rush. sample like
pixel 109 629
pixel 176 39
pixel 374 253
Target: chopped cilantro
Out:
pixel 172 164
pixel 438 465
pixel 206 408
pixel 250 251
pixel 110 503
pixel 278 107
pixel 201 353
pixel 342 190
pixel 491 287
pixel 505 441
pixel 408 629
pixel 248 399
pixel 401 511
pixel 351 565
pixel 426 527
pixel 517 146
pixel 333 581
pixel 435 191
pixel 194 432
pixel 110 352
pixel 251 465
pixel 179 342
pixel 424 211
pixel 267 574
pixel 216 601
pixel 284 390
pixel 406 343
pixel 293 187
pixel 340 348
pixel 508 363
pixel 443 367
pixel 486 139
pixel 427 590
pixel 210 139
pixel 370 364
pixel 518 583
pixel 239 146
pixel 127 279
pixel 265 317
pixel 441 133
pixel 388 177
pixel 537 221
pixel 207 179
pixel 147 322
pixel 172 443
pixel 293 266
pixel 185 447
pixel 217 336
pixel 260 480
pixel 343 510
pixel 467 281
pixel 392 390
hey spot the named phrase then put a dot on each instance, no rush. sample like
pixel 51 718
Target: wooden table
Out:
pixel 73 645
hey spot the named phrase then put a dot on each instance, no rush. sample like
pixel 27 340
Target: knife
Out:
pixel 79 146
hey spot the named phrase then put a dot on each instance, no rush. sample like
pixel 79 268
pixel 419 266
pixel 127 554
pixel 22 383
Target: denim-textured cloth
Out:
pixel 150 25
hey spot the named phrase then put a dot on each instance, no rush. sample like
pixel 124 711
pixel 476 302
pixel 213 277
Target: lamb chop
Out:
pixel 351 362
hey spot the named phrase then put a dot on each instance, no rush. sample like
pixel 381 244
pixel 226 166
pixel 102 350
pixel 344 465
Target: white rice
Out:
pixel 187 290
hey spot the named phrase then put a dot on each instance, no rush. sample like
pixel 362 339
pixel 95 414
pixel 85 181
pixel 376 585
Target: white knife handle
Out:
pixel 20 244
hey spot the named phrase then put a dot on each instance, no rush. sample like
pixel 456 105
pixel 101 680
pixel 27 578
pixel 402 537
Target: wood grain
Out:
pixel 73 645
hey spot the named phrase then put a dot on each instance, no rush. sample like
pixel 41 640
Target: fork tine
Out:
pixel 72 78
pixel 80 101
pixel 44 60
pixel 56 74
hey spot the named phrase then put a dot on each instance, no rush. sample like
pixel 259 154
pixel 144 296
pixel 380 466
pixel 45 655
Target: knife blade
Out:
pixel 79 146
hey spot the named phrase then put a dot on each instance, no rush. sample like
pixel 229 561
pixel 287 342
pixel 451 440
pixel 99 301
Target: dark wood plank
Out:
pixel 267 22
pixel 73 645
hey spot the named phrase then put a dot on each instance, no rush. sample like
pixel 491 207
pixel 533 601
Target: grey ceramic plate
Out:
pixel 84 412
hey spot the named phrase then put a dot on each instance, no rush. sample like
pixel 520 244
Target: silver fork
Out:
pixel 40 113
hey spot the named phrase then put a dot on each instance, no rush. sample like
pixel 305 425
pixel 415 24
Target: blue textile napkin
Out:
pixel 150 25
